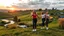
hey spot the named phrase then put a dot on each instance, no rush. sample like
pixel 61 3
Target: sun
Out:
pixel 12 9
pixel 8 2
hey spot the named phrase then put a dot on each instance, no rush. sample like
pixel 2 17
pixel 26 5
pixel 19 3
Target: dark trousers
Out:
pixel 45 22
pixel 34 23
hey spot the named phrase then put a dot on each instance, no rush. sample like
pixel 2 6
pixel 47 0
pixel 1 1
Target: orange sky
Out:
pixel 6 4
pixel 26 4
pixel 3 7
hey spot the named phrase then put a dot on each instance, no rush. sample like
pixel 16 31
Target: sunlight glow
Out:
pixel 8 2
pixel 12 9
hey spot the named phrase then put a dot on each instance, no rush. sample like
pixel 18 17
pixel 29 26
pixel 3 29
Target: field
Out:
pixel 25 17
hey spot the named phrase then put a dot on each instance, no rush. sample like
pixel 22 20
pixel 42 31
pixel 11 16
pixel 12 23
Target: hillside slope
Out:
pixel 4 15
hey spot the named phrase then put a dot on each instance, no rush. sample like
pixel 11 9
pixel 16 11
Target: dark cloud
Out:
pixel 41 4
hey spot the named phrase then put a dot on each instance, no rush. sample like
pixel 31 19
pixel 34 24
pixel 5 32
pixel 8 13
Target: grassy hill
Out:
pixel 25 17
pixel 4 15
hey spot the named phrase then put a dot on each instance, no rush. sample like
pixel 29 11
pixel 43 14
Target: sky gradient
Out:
pixel 33 4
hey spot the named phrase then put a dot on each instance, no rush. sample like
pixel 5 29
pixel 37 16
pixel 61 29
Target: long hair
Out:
pixel 46 10
pixel 42 12
pixel 33 12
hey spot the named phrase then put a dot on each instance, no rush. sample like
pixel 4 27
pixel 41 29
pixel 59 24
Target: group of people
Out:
pixel 45 19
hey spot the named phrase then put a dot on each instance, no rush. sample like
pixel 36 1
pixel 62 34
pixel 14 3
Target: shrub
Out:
pixel 15 19
pixel 22 24
pixel 2 23
pixel 40 9
pixel 19 20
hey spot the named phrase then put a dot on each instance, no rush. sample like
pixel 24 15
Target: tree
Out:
pixel 53 9
pixel 45 10
pixel 40 9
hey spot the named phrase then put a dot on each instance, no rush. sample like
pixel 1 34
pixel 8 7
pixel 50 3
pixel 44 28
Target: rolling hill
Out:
pixel 4 15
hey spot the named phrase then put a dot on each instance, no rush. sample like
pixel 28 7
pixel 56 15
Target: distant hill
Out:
pixel 3 10
pixel 5 15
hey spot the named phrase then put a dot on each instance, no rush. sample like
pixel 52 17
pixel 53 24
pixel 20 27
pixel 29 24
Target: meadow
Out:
pixel 25 16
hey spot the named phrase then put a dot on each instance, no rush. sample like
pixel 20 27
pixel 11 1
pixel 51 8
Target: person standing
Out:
pixel 34 18
pixel 43 20
pixel 47 16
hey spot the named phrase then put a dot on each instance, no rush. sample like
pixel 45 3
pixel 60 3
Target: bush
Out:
pixel 40 9
pixel 22 24
pixel 61 22
pixel 19 20
pixel 2 23
pixel 15 19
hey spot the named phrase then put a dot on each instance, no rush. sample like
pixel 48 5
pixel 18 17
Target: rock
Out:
pixel 5 20
pixel 22 26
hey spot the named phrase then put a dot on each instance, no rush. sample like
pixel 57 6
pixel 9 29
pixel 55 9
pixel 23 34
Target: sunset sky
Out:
pixel 31 4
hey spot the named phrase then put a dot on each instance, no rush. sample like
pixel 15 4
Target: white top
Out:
pixel 43 16
pixel 47 16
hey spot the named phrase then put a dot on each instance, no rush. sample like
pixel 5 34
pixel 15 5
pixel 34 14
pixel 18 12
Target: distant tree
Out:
pixel 40 9
pixel 52 14
pixel 20 10
pixel 45 10
pixel 53 9
pixel 63 9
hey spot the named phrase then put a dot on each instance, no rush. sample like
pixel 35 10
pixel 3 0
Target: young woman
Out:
pixel 47 19
pixel 34 17
pixel 43 19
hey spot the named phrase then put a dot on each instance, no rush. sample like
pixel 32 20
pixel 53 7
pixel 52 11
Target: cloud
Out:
pixel 40 4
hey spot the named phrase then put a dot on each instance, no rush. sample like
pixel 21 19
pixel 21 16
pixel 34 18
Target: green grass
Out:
pixel 5 15
pixel 25 17
pixel 53 31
